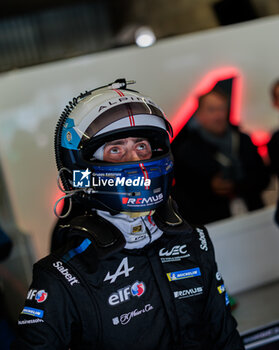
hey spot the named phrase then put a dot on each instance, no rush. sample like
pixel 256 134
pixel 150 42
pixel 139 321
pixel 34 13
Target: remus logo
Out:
pixel 142 201
pixel 187 293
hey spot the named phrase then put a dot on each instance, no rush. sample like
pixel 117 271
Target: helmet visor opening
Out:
pixel 157 137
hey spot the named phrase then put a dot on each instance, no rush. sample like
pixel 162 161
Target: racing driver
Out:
pixel 130 273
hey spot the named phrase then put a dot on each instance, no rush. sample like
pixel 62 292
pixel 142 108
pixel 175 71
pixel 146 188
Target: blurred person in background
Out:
pixel 273 145
pixel 7 333
pixel 130 272
pixel 215 163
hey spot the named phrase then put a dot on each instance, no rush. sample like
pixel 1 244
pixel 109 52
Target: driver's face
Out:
pixel 127 150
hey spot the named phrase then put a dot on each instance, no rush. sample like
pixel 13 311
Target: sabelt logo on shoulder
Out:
pixel 176 253
pixel 187 293
pixel 141 202
pixel 202 239
pixel 65 272
pixel 124 294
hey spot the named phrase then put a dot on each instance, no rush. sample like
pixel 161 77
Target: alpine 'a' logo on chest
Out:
pixel 123 269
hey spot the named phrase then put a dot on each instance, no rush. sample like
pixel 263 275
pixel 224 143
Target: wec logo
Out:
pixel 176 250
pixel 177 253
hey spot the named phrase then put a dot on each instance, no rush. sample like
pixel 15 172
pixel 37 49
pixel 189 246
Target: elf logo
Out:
pixel 137 289
pixel 39 295
pixel 142 201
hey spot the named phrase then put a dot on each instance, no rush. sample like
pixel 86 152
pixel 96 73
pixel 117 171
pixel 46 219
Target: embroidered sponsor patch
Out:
pixel 65 272
pixel 36 320
pixel 227 299
pixel 123 269
pixel 137 289
pixel 179 275
pixel 33 312
pixel 187 293
pixel 39 295
pixel 126 318
pixel 176 253
pixel 221 289
pixel 137 229
pixel 218 276
pixel 203 244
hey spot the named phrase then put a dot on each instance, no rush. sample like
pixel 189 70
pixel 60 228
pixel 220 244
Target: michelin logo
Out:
pixel 65 272
pixel 33 312
pixel 187 293
pixel 180 275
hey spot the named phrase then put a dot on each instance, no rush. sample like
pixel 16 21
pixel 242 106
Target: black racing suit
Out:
pixel 167 295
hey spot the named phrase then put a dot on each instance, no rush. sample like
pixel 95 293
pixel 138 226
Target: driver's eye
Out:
pixel 114 150
pixel 141 146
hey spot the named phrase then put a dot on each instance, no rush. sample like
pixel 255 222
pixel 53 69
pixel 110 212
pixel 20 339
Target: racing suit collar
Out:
pixel 138 232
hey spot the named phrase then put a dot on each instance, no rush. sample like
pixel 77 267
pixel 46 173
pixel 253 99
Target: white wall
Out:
pixel 246 249
pixel 32 99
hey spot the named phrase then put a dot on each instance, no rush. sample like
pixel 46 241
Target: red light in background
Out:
pixel 263 151
pixel 260 137
pixel 60 205
pixel 203 87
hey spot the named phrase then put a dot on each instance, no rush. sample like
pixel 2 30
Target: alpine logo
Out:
pixel 137 289
pixel 123 269
pixel 124 99
pixel 202 239
pixel 141 202
pixel 187 293
pixel 176 253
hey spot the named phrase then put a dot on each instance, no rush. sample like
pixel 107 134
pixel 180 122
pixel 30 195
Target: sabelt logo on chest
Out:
pixel 176 253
